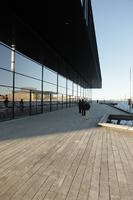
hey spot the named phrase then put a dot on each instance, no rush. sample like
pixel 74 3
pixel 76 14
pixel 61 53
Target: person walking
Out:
pixel 83 107
pixel 6 102
pixel 21 103
pixel 80 105
pixel 87 107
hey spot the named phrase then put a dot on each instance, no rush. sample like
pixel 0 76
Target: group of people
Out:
pixel 84 107
pixel 21 104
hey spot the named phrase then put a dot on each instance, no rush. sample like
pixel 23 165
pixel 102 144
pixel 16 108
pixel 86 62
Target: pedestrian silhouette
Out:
pixel 21 103
pixel 80 105
pixel 6 102
pixel 83 107
pixel 87 107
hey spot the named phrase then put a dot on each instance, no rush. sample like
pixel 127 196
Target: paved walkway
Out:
pixel 62 156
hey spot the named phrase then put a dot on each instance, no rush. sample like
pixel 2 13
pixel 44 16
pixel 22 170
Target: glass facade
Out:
pixel 32 88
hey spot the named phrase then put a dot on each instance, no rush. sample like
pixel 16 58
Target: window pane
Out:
pixel 21 102
pixel 5 57
pixel 62 90
pixel 27 83
pixel 25 66
pixel 50 76
pixel 62 81
pixel 6 78
pixel 54 101
pixel 49 87
pixel 69 92
pixel 79 90
pixel 69 84
pixel 5 103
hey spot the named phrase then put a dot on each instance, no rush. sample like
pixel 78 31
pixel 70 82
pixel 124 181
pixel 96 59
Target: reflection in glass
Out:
pixel 64 100
pixel 69 84
pixel 79 90
pixel 35 101
pixel 50 76
pixel 27 67
pixel 62 90
pixel 49 87
pixel 54 101
pixel 27 83
pixel 62 81
pixel 69 91
pixel 82 92
pixel 5 57
pixel 46 101
pixel 5 103
pixel 6 78
pixel 75 89
pixel 59 98
pixel 89 94
pixel 21 102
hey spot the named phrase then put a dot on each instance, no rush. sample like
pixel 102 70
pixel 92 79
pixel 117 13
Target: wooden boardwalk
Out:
pixel 63 156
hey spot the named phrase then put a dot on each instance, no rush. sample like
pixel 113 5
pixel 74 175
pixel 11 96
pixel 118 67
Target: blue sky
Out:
pixel 114 31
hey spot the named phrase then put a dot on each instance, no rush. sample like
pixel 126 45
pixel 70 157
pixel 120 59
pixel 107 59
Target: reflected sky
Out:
pixel 33 70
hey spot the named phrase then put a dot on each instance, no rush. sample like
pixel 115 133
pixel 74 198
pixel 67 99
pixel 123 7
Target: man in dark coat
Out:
pixel 83 107
pixel 87 107
pixel 6 102
pixel 80 106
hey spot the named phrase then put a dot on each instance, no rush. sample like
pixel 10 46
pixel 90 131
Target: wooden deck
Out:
pixel 63 156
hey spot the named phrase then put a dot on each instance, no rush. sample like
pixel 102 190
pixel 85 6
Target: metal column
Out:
pixel 66 92
pixel 50 102
pixel 13 71
pixel 77 92
pixel 72 93
pixel 57 89
pixel 30 104
pixel 42 91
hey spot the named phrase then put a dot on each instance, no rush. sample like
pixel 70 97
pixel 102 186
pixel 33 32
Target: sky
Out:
pixel 113 21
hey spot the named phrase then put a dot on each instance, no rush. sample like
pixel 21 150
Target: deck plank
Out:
pixel 65 159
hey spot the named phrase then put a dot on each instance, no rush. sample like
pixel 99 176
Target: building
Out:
pixel 59 37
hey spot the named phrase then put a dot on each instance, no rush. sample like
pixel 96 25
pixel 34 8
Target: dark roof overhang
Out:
pixel 54 33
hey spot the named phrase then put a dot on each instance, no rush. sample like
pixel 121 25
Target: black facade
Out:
pixel 58 34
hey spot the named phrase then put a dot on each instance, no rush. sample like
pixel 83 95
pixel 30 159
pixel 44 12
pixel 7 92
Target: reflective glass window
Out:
pixel 27 83
pixel 25 66
pixel 6 77
pixel 50 76
pixel 5 92
pixel 49 87
pixel 62 90
pixel 69 84
pixel 62 81
pixel 69 92
pixel 5 57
